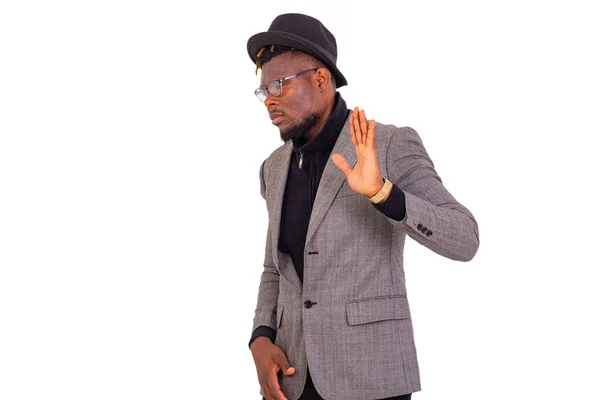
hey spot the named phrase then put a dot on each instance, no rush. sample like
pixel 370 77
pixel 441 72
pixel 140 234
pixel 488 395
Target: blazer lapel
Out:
pixel 277 186
pixel 332 179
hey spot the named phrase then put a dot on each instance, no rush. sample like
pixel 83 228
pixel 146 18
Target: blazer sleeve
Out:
pixel 268 290
pixel 433 216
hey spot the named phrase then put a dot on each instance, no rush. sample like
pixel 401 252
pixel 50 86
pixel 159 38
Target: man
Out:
pixel 332 318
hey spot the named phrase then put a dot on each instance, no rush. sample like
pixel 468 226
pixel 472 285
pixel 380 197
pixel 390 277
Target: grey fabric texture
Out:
pixel 358 337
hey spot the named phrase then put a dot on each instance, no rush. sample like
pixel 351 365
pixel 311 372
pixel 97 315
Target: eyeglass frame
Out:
pixel 280 80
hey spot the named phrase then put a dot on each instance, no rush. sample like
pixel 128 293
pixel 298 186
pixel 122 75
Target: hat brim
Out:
pixel 260 40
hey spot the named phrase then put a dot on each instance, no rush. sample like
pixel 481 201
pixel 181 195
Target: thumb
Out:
pixel 342 164
pixel 285 366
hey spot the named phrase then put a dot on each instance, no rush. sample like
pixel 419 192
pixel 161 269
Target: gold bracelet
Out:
pixel 383 192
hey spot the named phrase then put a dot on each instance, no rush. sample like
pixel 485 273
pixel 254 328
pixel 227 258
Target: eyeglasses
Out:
pixel 275 86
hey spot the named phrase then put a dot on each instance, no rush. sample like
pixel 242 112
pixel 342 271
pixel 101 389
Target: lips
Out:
pixel 276 118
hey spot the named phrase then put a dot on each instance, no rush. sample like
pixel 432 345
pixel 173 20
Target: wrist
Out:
pixel 259 341
pixel 369 195
pixel 383 193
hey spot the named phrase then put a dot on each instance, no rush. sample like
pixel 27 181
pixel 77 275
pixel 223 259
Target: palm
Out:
pixel 365 177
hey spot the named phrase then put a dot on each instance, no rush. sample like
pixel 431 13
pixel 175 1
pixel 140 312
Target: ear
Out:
pixel 323 78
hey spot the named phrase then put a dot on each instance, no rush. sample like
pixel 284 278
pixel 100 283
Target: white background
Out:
pixel 132 228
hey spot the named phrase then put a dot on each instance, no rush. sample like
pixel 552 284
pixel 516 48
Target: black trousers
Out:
pixel 310 393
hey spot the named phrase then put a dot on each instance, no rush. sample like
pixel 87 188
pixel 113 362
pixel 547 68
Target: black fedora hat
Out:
pixel 303 33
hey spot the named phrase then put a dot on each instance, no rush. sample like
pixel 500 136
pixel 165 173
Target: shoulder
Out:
pixel 392 135
pixel 274 159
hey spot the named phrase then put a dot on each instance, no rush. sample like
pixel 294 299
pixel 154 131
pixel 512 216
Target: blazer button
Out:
pixel 308 304
pixel 429 233
pixel 420 226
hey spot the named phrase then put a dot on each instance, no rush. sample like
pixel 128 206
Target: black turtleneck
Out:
pixel 306 167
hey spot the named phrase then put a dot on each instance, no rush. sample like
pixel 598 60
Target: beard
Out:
pixel 301 129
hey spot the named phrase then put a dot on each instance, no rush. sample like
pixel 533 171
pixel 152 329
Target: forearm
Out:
pixel 449 230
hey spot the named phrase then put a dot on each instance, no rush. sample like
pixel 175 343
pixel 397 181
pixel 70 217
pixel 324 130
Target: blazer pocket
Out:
pixel 364 311
pixel 279 314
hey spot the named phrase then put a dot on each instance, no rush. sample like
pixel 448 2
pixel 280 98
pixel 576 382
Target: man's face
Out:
pixel 294 111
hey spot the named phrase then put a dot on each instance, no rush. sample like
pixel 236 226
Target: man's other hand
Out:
pixel 269 360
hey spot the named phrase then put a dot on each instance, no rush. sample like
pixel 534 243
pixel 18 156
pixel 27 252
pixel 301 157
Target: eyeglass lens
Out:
pixel 274 88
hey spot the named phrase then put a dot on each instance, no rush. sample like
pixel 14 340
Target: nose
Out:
pixel 270 100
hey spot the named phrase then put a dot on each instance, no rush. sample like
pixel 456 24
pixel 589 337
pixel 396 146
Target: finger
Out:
pixel 289 371
pixel 352 130
pixel 358 132
pixel 273 387
pixel 342 164
pixel 363 123
pixel 371 134
pixel 266 394
pixel 279 395
pixel 265 390
pixel 284 364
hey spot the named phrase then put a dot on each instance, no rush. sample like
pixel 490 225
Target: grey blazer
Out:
pixel 357 335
